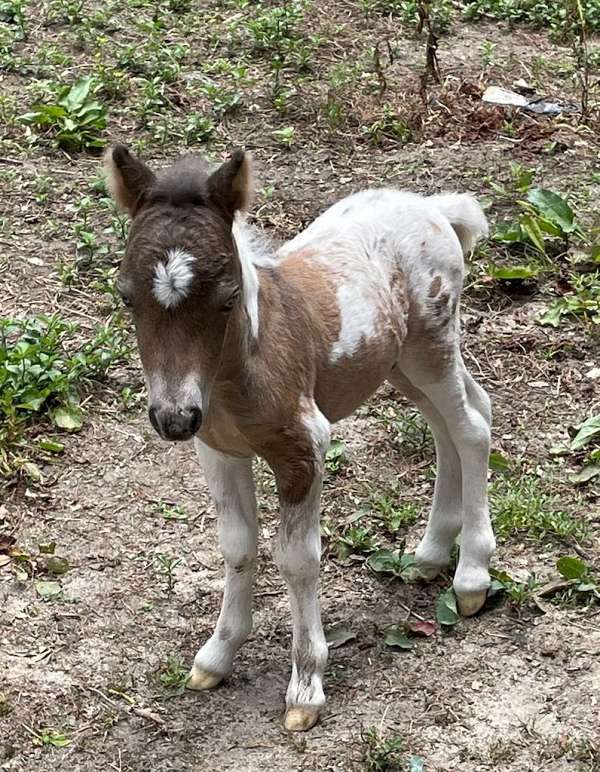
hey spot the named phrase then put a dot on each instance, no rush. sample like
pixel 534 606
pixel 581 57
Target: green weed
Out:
pixel 541 13
pixel 172 673
pixel 71 117
pixel 581 304
pixel 389 126
pixel 394 516
pixel 43 372
pixel 386 754
pixel 356 539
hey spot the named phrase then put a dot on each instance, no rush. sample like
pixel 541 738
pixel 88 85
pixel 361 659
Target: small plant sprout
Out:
pixel 356 539
pixel 286 136
pixel 170 511
pixel 487 53
pixel 166 566
pixel 335 457
pixel 172 673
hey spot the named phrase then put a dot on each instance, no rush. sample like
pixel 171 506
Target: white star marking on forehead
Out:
pixel 173 278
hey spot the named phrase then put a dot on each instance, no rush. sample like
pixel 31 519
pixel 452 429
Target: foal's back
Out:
pixel 394 263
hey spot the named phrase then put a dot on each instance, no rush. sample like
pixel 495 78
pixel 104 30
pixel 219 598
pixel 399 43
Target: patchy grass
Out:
pixel 522 505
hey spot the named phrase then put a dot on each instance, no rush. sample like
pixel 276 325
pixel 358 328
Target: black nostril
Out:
pixel 195 419
pixel 153 414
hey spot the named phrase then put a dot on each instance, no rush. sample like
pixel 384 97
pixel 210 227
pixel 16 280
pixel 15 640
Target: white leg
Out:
pixel 446 516
pixel 466 414
pixel 232 488
pixel 445 519
pixel 298 555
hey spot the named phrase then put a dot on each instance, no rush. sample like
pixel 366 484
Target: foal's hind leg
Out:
pixel 232 488
pixel 466 412
pixel 445 519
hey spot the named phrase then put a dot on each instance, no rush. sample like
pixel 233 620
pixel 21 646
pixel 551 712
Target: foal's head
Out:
pixel 181 276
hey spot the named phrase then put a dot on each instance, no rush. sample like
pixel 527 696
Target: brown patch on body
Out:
pixel 435 286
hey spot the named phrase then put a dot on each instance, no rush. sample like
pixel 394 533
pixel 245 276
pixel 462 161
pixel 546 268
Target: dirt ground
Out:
pixel 513 688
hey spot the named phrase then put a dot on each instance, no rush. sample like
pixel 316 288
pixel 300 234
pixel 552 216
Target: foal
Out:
pixel 251 352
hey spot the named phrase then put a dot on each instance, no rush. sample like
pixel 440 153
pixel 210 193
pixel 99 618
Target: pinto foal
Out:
pixel 253 352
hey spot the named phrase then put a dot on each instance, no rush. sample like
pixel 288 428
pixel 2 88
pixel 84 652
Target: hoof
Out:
pixel 199 680
pixel 470 603
pixel 301 719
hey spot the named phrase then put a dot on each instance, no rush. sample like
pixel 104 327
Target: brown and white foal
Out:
pixel 254 352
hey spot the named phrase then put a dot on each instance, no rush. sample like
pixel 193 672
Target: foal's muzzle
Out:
pixel 176 423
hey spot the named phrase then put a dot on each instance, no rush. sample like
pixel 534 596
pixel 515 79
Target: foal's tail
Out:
pixel 465 215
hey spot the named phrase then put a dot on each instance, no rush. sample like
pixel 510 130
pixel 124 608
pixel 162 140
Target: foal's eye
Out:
pixel 231 301
pixel 126 301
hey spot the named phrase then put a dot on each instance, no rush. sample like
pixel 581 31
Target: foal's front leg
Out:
pixel 232 488
pixel 298 553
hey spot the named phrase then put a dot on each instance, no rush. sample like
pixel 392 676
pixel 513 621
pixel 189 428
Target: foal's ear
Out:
pixel 230 186
pixel 128 178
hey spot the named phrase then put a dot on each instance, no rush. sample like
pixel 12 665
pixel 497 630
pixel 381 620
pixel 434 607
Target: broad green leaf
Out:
pixel 586 474
pixel 498 462
pixel 588 431
pixel 47 590
pixel 398 638
pixel 446 611
pixel 59 741
pixel 512 272
pixel 553 208
pixel 531 227
pixel 548 227
pixel 552 316
pixel 337 638
pixel 51 446
pixel 56 565
pixel 496 587
pixel 336 450
pixel 384 561
pixel 69 417
pixel 77 94
pixel 508 232
pixel 571 567
pixel 595 254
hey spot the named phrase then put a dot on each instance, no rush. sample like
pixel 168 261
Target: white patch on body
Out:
pixel 173 278
pixel 359 317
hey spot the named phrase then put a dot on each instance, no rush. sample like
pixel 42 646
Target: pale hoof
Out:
pixel 199 680
pixel 301 719
pixel 470 603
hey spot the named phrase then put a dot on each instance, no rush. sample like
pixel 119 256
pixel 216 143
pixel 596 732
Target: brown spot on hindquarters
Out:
pixel 443 314
pixel 225 633
pixel 442 302
pixel 435 286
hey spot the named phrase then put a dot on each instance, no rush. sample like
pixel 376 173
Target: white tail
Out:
pixel 465 215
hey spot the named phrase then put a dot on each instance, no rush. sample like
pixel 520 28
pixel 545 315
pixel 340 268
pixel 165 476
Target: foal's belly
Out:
pixel 344 384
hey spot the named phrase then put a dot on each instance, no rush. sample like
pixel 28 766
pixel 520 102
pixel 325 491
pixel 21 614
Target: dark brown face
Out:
pixel 181 278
